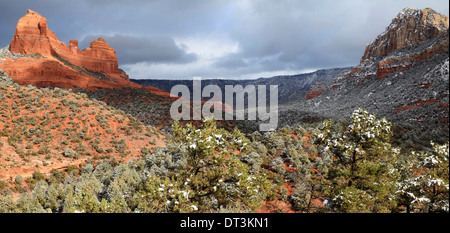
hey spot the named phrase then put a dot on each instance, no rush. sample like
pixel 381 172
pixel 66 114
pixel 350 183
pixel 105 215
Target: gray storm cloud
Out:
pixel 154 49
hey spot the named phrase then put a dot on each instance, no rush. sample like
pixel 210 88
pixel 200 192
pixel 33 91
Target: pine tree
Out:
pixel 363 176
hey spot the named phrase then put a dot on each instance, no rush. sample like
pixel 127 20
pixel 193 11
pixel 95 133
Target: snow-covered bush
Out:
pixel 426 189
pixel 363 177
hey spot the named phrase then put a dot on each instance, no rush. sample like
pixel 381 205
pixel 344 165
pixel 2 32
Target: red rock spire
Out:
pixel 33 36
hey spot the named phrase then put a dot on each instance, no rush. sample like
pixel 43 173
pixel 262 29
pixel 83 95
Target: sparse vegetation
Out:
pixel 62 131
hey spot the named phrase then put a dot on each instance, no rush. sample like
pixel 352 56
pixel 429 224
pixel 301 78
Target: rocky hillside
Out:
pixel 403 76
pixel 43 129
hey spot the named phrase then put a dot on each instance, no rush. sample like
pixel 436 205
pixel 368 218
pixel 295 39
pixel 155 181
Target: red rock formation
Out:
pixel 51 63
pixel 385 68
pixel 33 36
pixel 99 57
pixel 124 75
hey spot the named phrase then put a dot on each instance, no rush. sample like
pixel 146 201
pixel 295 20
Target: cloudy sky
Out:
pixel 180 39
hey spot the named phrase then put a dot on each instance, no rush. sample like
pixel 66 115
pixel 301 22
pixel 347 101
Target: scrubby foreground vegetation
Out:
pixel 346 166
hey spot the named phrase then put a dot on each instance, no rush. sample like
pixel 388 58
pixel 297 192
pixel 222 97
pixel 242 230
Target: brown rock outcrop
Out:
pixel 410 27
pixel 99 57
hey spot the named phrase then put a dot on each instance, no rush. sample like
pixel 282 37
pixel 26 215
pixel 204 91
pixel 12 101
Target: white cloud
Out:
pixel 211 47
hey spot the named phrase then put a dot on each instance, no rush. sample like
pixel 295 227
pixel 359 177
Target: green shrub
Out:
pixel 69 153
pixel 19 179
pixel 38 176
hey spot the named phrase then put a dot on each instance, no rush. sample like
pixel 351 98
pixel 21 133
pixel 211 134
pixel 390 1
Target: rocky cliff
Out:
pixel 410 27
pixel 36 56
pixel 33 36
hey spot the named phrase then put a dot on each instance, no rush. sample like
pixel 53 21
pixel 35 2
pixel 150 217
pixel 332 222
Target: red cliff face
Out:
pixel 32 36
pixel 390 64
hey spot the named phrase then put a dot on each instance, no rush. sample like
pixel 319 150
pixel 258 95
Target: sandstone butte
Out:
pixel 52 63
